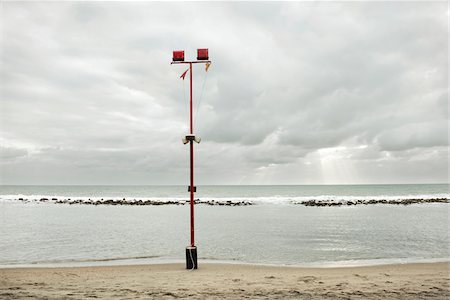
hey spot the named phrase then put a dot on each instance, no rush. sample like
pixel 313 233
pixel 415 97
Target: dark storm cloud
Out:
pixel 297 93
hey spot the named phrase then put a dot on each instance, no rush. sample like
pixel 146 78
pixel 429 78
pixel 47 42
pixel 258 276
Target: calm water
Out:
pixel 43 233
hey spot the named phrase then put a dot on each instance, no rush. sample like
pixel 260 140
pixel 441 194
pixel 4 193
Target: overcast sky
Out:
pixel 298 93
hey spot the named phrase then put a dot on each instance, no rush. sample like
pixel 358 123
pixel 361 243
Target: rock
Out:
pixel 371 201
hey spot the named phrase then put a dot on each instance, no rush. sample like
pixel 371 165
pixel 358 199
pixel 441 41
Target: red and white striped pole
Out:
pixel 178 58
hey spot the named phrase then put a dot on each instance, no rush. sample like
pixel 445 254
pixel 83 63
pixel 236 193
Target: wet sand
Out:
pixel 218 281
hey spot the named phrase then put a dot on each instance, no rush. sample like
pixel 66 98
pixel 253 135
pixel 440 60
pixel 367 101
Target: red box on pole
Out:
pixel 178 56
pixel 202 54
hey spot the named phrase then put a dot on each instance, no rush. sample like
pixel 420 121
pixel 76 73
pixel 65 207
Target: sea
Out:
pixel 272 231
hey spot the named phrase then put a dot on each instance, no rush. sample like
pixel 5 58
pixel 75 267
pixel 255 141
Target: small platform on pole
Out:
pixel 191 257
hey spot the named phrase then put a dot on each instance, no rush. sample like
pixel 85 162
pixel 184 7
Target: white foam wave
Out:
pixel 255 200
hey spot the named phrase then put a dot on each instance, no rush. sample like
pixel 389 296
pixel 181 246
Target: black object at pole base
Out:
pixel 191 257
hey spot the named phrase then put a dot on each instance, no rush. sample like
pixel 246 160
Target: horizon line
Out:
pixel 316 184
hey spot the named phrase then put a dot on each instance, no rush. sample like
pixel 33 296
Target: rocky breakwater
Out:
pixel 315 202
pixel 142 202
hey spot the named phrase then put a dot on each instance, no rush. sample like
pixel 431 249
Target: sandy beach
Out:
pixel 217 281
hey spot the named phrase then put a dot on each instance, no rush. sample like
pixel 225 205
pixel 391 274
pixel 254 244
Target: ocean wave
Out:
pixel 57 261
pixel 80 261
pixel 119 201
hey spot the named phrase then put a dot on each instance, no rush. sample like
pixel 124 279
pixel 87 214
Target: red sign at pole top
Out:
pixel 178 56
pixel 202 54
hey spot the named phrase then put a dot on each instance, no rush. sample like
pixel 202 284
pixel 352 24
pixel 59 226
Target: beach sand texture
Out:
pixel 218 281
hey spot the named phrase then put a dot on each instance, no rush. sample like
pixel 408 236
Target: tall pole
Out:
pixel 202 58
pixel 192 159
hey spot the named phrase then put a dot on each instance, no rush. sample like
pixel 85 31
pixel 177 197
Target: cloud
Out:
pixel 87 91
pixel 414 135
pixel 10 154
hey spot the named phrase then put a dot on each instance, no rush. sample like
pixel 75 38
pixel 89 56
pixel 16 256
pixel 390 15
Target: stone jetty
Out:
pixel 315 202
pixel 141 202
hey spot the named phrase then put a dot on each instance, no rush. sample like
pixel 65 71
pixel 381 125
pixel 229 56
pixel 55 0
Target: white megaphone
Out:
pixel 191 137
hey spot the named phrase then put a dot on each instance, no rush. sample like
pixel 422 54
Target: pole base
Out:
pixel 191 257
